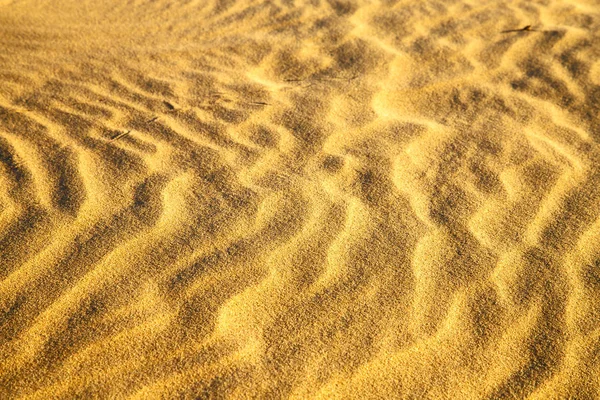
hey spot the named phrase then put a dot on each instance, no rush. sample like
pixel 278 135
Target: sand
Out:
pixel 299 199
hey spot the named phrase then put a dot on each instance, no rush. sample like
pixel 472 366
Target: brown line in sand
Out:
pixel 325 79
pixel 120 135
pixel 526 28
pixel 169 106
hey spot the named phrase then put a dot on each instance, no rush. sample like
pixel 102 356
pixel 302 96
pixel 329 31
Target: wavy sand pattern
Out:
pixel 300 199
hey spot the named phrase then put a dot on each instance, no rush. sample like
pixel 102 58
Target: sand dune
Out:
pixel 299 199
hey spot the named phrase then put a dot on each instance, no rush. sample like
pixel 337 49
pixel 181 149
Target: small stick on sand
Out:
pixel 526 28
pixel 119 135
pixel 294 80
pixel 324 79
pixel 170 106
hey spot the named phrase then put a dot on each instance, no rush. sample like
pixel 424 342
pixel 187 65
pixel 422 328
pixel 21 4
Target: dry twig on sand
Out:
pixel 526 28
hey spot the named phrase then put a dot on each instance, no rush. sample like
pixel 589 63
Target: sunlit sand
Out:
pixel 279 199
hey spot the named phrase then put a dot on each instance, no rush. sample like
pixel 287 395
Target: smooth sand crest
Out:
pixel 321 199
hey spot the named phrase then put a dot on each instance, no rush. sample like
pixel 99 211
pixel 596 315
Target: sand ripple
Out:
pixel 326 199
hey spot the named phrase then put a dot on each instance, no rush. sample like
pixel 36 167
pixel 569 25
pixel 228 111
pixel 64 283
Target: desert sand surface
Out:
pixel 299 199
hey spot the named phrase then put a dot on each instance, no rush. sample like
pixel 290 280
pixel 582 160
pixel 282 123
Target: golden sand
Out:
pixel 299 199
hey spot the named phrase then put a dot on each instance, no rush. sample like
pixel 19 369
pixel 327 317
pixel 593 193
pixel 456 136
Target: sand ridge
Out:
pixel 299 199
